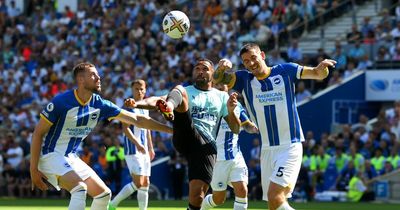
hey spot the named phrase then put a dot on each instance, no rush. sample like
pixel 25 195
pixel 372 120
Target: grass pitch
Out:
pixel 58 204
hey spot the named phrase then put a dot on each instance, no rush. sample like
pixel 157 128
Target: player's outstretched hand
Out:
pixel 166 109
pixel 326 63
pixel 37 178
pixel 130 103
pixel 232 101
pixel 224 64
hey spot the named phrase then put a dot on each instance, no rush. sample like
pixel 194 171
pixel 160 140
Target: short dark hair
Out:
pixel 247 47
pixel 138 81
pixel 81 67
pixel 206 60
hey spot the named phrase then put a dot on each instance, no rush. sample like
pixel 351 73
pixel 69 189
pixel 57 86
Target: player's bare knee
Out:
pixel 219 199
pixel 80 187
pixel 104 196
pixel 241 191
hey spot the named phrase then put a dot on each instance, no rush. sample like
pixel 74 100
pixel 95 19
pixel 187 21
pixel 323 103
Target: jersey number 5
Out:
pixel 280 172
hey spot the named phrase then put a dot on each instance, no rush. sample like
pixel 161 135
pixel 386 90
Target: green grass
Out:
pixel 57 204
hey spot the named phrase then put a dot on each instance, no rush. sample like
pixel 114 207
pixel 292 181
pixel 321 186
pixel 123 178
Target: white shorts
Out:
pixel 54 165
pixel 281 165
pixel 139 164
pixel 227 171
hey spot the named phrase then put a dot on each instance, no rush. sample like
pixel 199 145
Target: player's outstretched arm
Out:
pixel 142 121
pixel 232 119
pixel 320 72
pixel 40 131
pixel 128 133
pixel 221 76
pixel 147 103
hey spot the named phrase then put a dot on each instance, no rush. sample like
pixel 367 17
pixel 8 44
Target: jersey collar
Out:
pixel 79 100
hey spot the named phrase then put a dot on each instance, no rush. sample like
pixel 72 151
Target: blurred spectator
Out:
pixel 177 166
pixel 378 160
pixel 115 157
pixel 254 185
pixel 335 78
pixel 351 69
pixel 340 58
pixel 354 36
pixel 301 92
pixel 358 190
pixel 294 52
pixel 395 33
pixel 275 58
pixel 255 150
pixel 345 175
pixel 366 26
pixel 262 32
pixel 383 54
pixel 394 157
pixel 356 52
pixel 365 63
pixel 14 154
pixel 265 13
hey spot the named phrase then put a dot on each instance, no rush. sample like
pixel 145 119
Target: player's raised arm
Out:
pixel 128 133
pixel 222 76
pixel 40 131
pixel 142 121
pixel 319 72
pixel 232 119
pixel 147 103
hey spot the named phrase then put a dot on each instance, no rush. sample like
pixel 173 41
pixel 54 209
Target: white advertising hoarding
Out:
pixel 382 85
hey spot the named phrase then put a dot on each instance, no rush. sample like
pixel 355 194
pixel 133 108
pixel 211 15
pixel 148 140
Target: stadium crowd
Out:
pixel 124 39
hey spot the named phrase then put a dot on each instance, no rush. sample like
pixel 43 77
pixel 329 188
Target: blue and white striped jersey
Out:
pixel 227 141
pixel 271 103
pixel 140 133
pixel 72 120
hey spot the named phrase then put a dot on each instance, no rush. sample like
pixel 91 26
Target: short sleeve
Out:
pixel 240 78
pixel 108 110
pixel 242 114
pixel 292 69
pixel 53 110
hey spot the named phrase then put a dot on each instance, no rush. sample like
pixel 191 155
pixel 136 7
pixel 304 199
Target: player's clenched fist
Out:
pixel 130 103
pixel 224 64
pixel 232 102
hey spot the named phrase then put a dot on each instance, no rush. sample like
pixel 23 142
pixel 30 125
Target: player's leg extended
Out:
pixel 277 197
pixel 99 191
pixel 197 191
pixel 77 187
pixel 125 192
pixel 284 176
pixel 143 183
pixel 240 189
pixel 212 200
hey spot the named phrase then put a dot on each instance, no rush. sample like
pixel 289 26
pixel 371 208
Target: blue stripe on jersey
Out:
pixel 85 115
pixel 72 145
pixel 266 85
pixel 272 125
pixel 52 136
pixel 142 137
pixel 79 121
pixel 249 96
pixel 228 145
pixel 292 112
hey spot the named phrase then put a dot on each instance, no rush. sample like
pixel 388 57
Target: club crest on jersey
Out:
pixel 50 107
pixel 277 81
pixel 94 116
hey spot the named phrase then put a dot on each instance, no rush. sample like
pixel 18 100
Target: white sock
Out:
pixel 208 203
pixel 240 203
pixel 285 206
pixel 78 197
pixel 100 202
pixel 143 197
pixel 126 191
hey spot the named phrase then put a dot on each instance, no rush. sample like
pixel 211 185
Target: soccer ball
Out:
pixel 176 24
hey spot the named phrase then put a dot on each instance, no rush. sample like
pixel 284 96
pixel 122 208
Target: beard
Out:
pixel 93 89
